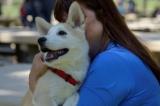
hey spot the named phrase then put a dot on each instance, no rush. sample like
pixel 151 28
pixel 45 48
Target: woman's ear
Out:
pixel 75 16
pixel 42 25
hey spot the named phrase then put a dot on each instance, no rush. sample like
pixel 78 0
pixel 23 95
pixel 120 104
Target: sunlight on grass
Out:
pixel 4 92
pixel 19 74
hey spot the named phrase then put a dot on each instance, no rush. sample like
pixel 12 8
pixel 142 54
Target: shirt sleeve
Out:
pixel 106 84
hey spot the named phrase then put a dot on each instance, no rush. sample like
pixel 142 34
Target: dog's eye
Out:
pixel 62 33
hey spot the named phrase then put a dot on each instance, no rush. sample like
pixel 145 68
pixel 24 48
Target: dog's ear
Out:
pixel 42 25
pixel 75 16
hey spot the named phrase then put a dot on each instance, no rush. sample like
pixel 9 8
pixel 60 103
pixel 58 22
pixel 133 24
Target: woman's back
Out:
pixel 118 77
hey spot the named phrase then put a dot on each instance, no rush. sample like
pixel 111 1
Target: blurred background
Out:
pixel 18 37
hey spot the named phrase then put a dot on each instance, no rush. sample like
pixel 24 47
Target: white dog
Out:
pixel 65 49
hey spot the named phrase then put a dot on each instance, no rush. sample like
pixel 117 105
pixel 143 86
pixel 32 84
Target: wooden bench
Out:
pixel 7 21
pixel 6 49
pixel 150 40
pixel 21 38
pixel 145 24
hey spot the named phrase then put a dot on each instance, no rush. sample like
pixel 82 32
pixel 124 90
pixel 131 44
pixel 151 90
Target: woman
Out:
pixel 122 71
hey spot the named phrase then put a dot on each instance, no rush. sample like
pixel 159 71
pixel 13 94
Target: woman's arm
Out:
pixel 37 70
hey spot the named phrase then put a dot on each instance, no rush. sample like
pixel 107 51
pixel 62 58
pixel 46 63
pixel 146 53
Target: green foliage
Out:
pixel 11 10
pixel 151 5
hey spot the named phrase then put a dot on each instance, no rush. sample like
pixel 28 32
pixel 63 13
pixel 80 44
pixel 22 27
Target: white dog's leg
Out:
pixel 44 100
pixel 27 100
pixel 52 103
pixel 72 101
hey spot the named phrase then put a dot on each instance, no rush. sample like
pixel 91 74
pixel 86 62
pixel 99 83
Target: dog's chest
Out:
pixel 52 87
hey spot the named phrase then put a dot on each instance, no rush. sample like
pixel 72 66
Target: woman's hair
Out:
pixel 114 27
pixel 61 8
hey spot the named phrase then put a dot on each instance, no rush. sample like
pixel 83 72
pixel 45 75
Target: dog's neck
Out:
pixel 67 77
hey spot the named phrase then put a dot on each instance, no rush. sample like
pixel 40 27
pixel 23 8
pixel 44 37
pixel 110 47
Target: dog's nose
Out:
pixel 41 41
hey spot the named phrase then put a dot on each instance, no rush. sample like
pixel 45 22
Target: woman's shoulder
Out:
pixel 109 71
pixel 120 64
pixel 119 58
pixel 116 65
pixel 113 63
pixel 115 56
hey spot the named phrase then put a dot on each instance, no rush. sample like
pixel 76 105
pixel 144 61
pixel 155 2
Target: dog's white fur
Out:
pixel 51 90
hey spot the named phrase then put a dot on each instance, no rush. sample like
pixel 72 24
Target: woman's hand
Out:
pixel 38 69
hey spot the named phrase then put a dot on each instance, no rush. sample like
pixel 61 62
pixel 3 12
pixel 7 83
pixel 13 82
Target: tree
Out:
pixel 145 3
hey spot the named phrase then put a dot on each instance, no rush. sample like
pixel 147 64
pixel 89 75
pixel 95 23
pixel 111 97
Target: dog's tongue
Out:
pixel 51 56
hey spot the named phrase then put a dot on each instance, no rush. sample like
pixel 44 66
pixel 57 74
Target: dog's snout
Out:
pixel 41 40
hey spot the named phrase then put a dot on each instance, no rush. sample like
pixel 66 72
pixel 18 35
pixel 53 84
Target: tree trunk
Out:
pixel 0 9
pixel 145 2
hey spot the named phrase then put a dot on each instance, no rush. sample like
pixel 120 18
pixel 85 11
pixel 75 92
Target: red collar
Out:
pixel 67 77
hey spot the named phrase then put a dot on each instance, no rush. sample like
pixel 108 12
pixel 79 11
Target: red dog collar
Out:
pixel 67 77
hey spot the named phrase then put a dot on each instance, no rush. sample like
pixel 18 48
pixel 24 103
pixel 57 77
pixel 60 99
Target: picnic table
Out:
pixel 150 40
pixel 18 36
pixel 21 37
pixel 29 37
pixel 13 83
pixel 145 24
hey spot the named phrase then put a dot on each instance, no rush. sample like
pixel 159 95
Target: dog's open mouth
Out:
pixel 54 54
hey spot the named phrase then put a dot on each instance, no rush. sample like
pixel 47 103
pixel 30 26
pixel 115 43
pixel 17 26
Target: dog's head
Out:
pixel 64 41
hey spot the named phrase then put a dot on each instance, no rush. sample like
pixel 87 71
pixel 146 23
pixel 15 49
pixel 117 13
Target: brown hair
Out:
pixel 115 28
pixel 61 8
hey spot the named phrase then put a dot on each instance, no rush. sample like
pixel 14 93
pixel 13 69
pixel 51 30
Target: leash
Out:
pixel 67 77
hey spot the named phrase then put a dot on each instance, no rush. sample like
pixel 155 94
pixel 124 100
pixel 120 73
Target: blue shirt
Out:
pixel 117 77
